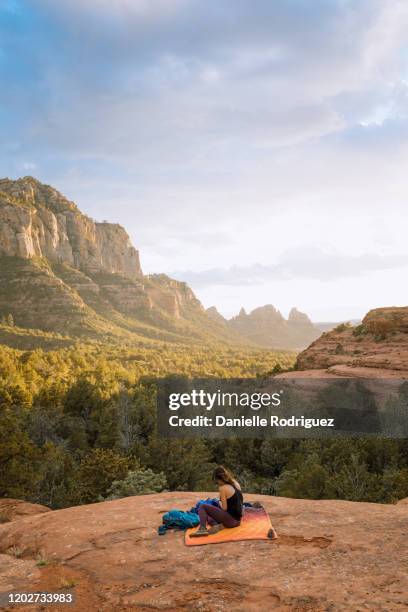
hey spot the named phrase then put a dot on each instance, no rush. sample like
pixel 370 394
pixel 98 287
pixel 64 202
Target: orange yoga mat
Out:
pixel 255 525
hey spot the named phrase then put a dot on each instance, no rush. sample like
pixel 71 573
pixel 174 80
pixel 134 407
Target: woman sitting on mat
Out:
pixel 230 513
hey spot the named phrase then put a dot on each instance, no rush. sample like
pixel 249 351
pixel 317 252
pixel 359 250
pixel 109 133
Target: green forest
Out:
pixel 78 425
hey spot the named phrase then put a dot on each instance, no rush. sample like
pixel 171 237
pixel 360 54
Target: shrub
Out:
pixel 380 327
pixel 138 482
pixel 310 481
pixel 97 471
pixel 342 327
pixel 359 330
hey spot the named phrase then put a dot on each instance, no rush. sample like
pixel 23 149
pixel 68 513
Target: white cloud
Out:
pixel 297 264
pixel 29 166
pixel 251 128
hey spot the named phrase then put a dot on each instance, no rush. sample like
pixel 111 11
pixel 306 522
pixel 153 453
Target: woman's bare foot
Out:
pixel 201 531
pixel 216 529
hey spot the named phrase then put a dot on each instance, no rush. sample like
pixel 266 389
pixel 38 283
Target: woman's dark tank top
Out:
pixel 235 504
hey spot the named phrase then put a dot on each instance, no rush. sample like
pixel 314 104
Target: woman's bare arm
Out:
pixel 223 498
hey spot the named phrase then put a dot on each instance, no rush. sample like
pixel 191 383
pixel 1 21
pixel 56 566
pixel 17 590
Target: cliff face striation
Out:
pixel 37 221
pixel 378 347
pixel 330 555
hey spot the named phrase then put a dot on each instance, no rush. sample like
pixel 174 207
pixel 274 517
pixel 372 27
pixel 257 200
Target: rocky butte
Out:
pixel 377 348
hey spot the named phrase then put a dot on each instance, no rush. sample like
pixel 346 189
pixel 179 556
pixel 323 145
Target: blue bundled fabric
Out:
pixel 178 519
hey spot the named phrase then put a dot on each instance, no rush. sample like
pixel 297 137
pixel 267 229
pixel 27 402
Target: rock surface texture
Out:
pixel 331 555
pixel 14 509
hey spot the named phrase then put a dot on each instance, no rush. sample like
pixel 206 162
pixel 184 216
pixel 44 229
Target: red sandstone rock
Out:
pixel 378 348
pixel 331 555
pixel 13 509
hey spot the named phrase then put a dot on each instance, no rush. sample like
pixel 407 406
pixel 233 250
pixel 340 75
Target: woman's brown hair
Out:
pixel 221 473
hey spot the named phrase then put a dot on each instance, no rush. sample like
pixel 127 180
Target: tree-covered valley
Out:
pixel 77 425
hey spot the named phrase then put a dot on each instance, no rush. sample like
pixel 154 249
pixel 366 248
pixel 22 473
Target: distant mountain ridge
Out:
pixel 61 271
pixel 265 326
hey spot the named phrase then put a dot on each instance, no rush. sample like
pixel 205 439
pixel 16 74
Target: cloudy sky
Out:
pixel 258 150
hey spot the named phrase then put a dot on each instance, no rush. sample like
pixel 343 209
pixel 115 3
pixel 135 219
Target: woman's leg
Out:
pixel 202 513
pixel 218 514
